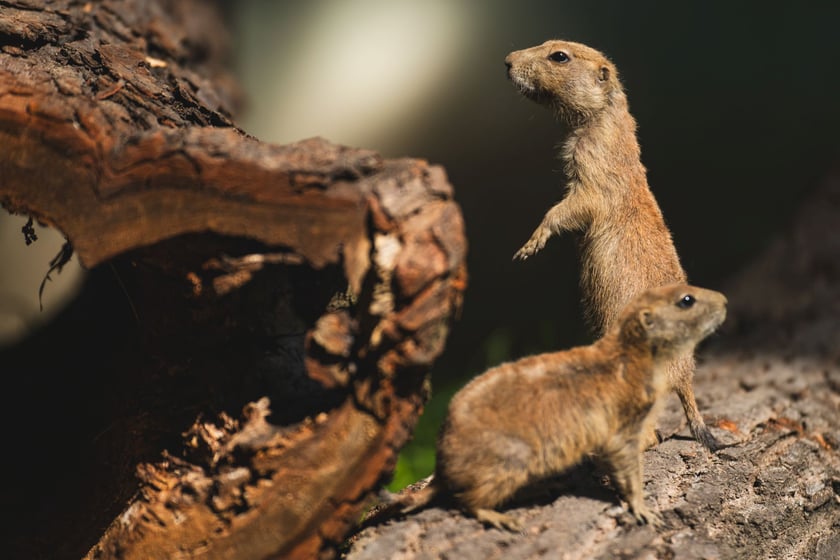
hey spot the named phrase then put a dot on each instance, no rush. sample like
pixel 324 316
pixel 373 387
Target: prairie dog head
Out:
pixel 574 80
pixel 672 319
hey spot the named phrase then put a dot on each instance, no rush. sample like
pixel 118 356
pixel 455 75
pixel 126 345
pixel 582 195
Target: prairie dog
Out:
pixel 625 245
pixel 524 421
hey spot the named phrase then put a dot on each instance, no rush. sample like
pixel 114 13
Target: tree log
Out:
pixel 770 384
pixel 286 302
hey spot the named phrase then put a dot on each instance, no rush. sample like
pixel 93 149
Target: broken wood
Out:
pixel 286 302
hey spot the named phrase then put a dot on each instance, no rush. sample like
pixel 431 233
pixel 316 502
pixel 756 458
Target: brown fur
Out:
pixel 625 245
pixel 527 420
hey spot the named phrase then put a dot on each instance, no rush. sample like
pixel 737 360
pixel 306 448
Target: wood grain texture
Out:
pixel 286 302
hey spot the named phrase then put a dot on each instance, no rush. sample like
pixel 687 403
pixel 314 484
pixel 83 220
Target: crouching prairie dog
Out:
pixel 625 245
pixel 527 420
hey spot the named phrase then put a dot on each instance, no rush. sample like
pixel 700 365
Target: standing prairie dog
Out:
pixel 625 245
pixel 524 421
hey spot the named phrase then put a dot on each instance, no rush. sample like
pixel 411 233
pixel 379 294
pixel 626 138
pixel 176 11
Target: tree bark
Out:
pixel 286 302
pixel 769 384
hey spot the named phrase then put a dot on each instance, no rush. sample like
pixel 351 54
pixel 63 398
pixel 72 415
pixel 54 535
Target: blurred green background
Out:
pixel 737 105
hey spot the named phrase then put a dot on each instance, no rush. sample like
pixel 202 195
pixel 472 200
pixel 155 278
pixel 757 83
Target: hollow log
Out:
pixel 252 348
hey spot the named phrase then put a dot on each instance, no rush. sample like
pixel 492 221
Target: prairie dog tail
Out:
pixel 420 494
pixel 411 498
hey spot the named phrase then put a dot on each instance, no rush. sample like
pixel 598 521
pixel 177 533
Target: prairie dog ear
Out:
pixel 604 74
pixel 646 319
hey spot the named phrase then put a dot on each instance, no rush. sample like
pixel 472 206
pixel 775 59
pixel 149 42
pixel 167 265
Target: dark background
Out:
pixel 737 106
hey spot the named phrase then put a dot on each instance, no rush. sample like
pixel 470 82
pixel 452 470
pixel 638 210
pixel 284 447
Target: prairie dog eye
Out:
pixel 686 301
pixel 558 56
